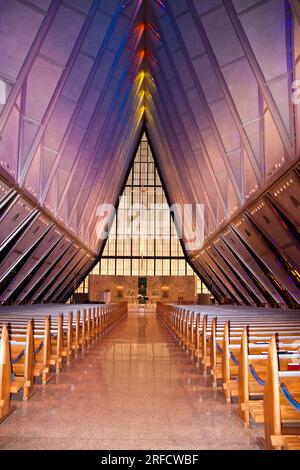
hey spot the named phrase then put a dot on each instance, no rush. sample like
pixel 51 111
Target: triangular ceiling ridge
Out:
pixel 209 80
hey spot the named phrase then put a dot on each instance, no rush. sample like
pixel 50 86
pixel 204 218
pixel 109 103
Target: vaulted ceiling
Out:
pixel 210 80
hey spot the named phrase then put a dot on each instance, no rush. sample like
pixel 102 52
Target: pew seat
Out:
pixel 255 408
pixel 17 384
pixel 286 442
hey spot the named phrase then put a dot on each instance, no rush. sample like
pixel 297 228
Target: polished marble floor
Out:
pixel 134 389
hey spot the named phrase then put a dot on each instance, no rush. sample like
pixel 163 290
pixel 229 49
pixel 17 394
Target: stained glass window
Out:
pixel 157 250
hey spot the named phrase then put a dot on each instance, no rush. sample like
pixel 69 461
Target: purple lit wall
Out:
pixel 213 81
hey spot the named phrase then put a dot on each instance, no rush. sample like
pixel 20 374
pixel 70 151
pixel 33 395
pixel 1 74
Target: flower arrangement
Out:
pixel 155 293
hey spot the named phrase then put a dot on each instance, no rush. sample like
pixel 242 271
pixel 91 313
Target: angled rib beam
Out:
pixel 260 78
pixel 116 149
pixel 227 95
pixel 34 50
pixel 94 118
pixel 59 88
pixel 168 122
pixel 86 88
pixel 296 8
pixel 191 115
pixel 110 149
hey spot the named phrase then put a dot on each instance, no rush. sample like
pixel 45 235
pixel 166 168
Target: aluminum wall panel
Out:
pixel 252 238
pixel 64 295
pixel 59 266
pixel 241 251
pixel 18 212
pixel 40 253
pixel 31 236
pixel 224 250
pixel 286 194
pixel 45 268
pixel 269 221
pixel 71 279
pixel 231 292
pixel 70 268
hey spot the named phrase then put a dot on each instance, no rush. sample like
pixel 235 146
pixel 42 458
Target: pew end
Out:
pixel 281 405
pixel 5 374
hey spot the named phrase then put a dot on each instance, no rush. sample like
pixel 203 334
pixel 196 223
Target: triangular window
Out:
pixel 158 251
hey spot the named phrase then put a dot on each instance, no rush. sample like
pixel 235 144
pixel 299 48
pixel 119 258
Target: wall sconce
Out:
pixel 119 291
pixel 165 291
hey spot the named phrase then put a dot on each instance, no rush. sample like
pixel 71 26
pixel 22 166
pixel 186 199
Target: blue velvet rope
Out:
pixel 38 350
pixel 256 376
pixel 15 361
pixel 219 348
pixel 292 401
pixel 235 360
pixel 20 356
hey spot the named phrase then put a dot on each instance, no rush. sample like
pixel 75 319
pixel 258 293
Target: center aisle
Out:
pixel 133 389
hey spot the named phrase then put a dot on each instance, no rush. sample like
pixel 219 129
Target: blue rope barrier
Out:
pixel 219 348
pixel 15 361
pixel 39 348
pixel 256 376
pixel 37 351
pixel 20 356
pixel 292 401
pixel 235 360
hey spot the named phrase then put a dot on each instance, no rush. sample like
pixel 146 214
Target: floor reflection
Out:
pixel 133 389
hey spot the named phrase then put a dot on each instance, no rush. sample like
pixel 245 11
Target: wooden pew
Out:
pixel 36 360
pixel 83 333
pixel 252 376
pixel 227 353
pixel 93 332
pixel 68 345
pixel 281 405
pixel 89 327
pixel 65 340
pixel 239 363
pixel 78 330
pixel 30 347
pixel 24 367
pixel 22 353
pixel 57 346
pixel 41 346
pixel 43 354
pixel 8 383
pixel 210 335
pixel 49 348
